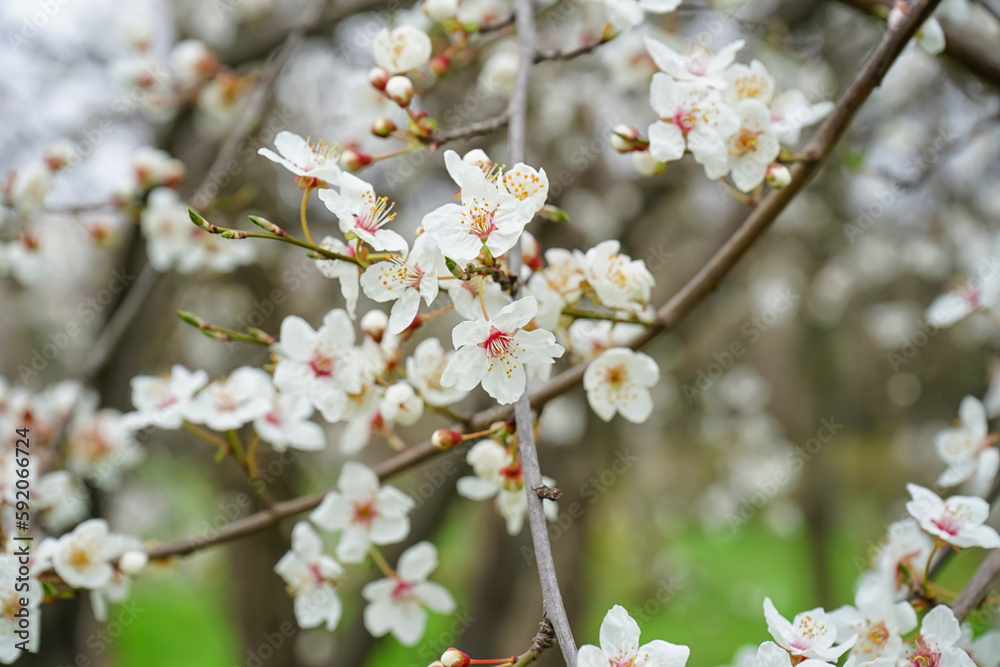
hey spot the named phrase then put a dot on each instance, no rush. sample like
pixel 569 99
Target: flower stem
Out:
pixel 482 298
pixel 234 442
pixel 206 435
pixel 381 563
pixel 302 214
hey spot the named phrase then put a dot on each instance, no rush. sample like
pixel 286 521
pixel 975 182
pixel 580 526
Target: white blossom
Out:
pixel 312 579
pixel 404 281
pixel 424 369
pixel 286 424
pixel 161 402
pixel 364 513
pixel 231 402
pixel 937 643
pixel 314 165
pixel 495 352
pixel 362 213
pixel 957 521
pixel 811 634
pixel 399 604
pixel 968 450
pixel 401 50
pixel 619 639
pixel 619 381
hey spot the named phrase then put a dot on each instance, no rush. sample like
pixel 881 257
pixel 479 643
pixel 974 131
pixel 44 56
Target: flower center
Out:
pixel 365 512
pixel 403 591
pixel 616 375
pixel 498 343
pixel 79 558
pixel 746 141
pixel 321 365
pixel 375 212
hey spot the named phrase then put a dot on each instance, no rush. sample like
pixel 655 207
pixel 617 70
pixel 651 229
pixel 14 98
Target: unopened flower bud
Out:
pixel 374 324
pixel 440 10
pixel 60 154
pixel 133 562
pixel 353 159
pixel 439 64
pixel 443 439
pixel 383 127
pixel 378 77
pixel 626 138
pixel 455 658
pixel 399 89
pixel 778 176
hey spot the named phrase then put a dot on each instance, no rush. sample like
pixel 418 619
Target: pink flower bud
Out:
pixel 455 658
pixel 353 159
pixel 59 154
pixel 399 89
pixel 439 64
pixel 446 439
pixel 378 77
pixel 383 127
pixel 626 139
pixel 778 176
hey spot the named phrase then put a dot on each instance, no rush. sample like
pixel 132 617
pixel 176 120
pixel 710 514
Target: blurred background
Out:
pixel 795 402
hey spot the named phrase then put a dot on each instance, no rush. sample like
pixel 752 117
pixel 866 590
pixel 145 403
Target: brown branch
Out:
pixel 978 587
pixel 695 290
pixel 979 59
pixel 500 120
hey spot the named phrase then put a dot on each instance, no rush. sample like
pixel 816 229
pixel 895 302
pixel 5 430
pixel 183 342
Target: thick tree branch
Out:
pixel 696 289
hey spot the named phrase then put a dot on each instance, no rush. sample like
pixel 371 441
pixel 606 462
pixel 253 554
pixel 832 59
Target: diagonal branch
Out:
pixel 978 587
pixel 980 59
pixel 694 291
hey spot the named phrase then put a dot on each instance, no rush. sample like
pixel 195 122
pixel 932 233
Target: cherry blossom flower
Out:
pixel 404 281
pixel 904 556
pixel 619 381
pixel 314 165
pixel 564 272
pixel 365 513
pixel 878 622
pixel 956 305
pixel 936 644
pixel 494 352
pixel 60 496
pixel 401 404
pixel 697 63
pixel 346 272
pixel 83 558
pixel 748 82
pixel 424 369
pixel 811 634
pixel 488 215
pixel 770 654
pixel 620 281
pixel 161 402
pixel 589 338
pixel 628 13
pixel 405 48
pixel 229 403
pixel 957 521
pixel 791 111
pixel 100 445
pixel 153 167
pixel 984 650
pixel 30 186
pixel 524 183
pixel 399 604
pixel 286 424
pixel 320 365
pixel 968 449
pixel 192 62
pixel 619 638
pixel 753 147
pixel 167 228
pixel 312 579
pixel 498 475
pixel 362 213
pixel 692 116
